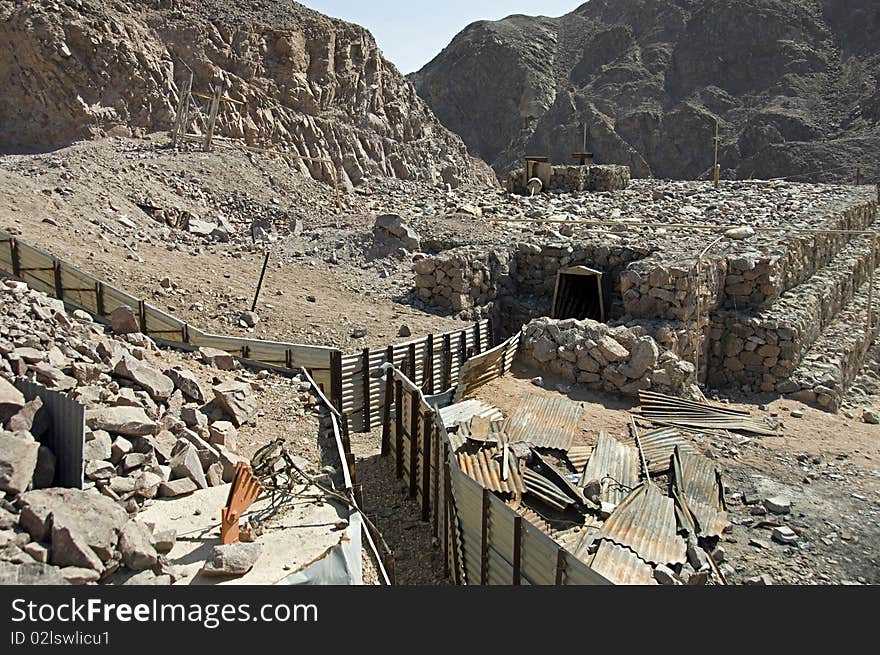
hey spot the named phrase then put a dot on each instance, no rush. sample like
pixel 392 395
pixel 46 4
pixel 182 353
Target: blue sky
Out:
pixel 410 34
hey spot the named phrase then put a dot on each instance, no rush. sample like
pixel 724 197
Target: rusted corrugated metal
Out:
pixel 698 481
pixel 483 429
pixel 466 410
pixel 669 410
pixel 645 522
pixel 484 466
pixel 483 368
pixel 621 565
pixel 544 489
pixel 544 422
pixel 578 456
pixel 615 465
pixel 657 446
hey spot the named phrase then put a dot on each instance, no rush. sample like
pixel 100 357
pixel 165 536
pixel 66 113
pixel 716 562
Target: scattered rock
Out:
pixel 237 399
pixel 232 559
pixel 127 421
pixel 136 546
pixel 124 321
pixel 777 505
pixel 218 358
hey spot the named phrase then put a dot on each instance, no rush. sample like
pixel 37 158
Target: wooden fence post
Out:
pixel 142 316
pixel 366 388
pixel 386 412
pixel 336 379
pixel 427 422
pixel 412 372
pixel 16 258
pixel 447 361
pixel 484 539
pixel 517 548
pixel 59 287
pixel 414 421
pixel 560 567
pixel 477 345
pixel 398 428
pixel 429 364
pixel 436 478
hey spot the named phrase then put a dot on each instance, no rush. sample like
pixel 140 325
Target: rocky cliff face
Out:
pixel 73 69
pixel 793 85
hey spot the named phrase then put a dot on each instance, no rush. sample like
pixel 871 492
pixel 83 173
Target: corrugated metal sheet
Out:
pixel 621 565
pixel 578 456
pixel 544 422
pixel 698 481
pixel 466 410
pixel 483 429
pixel 484 465
pixel 66 436
pixel 657 446
pixel 483 368
pixel 615 465
pixel 669 410
pixel 645 522
pixel 545 490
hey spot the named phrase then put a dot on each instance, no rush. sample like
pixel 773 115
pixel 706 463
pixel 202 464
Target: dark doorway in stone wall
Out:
pixel 579 294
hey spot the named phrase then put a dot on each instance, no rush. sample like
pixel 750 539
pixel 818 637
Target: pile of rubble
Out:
pixel 150 433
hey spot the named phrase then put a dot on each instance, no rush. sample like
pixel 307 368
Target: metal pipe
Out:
pixel 260 283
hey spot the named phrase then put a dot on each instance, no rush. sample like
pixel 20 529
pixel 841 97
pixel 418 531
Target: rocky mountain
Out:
pixel 793 85
pixel 75 69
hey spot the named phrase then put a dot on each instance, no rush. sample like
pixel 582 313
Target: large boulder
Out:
pixel 136 546
pixel 30 574
pixel 127 421
pixel 11 399
pixel 186 381
pixel 124 321
pixel 391 227
pixel 18 459
pixel 237 399
pixel 93 516
pixel 159 386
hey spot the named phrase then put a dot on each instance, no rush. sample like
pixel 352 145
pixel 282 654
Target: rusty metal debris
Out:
pixel 545 490
pixel 645 522
pixel 466 410
pixel 544 422
pixel 620 565
pixel 243 491
pixel 669 410
pixel 657 447
pixel 578 456
pixel 698 481
pixel 615 466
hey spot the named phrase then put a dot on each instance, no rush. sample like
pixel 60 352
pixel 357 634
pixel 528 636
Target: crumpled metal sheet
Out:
pixel 669 410
pixel 546 490
pixel 544 422
pixel 614 460
pixel 698 481
pixel 578 456
pixel 484 466
pixel 657 446
pixel 466 410
pixel 620 565
pixel 645 522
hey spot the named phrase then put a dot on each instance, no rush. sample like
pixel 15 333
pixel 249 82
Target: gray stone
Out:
pixel 611 350
pixel 218 358
pixel 136 546
pixel 147 578
pixel 232 559
pixel 98 469
pixel 98 446
pixel 71 548
pixel 237 399
pixel 30 574
pixel 18 460
pixel 78 575
pixel 38 551
pixel 185 463
pixel 179 487
pixel 23 419
pixel 697 557
pixel 158 385
pixel 186 381
pixel 392 226
pixel 777 505
pixel 120 448
pixel 223 433
pixel 249 318
pixel 124 321
pixel 666 576
pixel 739 233
pixel 97 518
pixel 870 416
pixel 784 535
pixel 11 399
pixel 127 421
pixel 164 540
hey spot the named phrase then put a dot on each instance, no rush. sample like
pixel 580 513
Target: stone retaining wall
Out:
pixel 571 179
pixel 614 359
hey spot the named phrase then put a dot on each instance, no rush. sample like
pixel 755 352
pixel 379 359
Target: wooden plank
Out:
pixel 427 422
pixel 398 428
pixel 365 372
pixel 414 425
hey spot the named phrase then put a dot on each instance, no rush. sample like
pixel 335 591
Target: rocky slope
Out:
pixel 74 69
pixel 793 86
